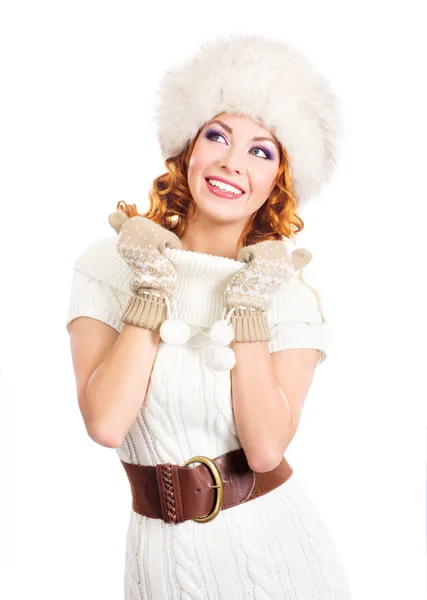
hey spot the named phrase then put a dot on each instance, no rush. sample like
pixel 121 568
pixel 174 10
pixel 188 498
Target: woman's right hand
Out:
pixel 141 243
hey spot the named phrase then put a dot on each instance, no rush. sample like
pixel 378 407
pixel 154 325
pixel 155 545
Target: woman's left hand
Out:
pixel 269 265
pixel 248 296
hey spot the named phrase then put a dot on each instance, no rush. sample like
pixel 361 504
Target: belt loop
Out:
pixel 169 493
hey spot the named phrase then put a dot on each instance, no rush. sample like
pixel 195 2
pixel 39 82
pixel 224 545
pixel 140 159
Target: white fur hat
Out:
pixel 265 80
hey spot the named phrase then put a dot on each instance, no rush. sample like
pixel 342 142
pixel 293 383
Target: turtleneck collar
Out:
pixel 202 278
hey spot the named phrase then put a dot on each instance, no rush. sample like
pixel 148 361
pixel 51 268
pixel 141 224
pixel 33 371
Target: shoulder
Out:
pixel 101 260
pixel 296 316
pixel 298 299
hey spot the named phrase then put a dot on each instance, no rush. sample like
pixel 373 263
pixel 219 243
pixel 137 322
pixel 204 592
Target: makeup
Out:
pixel 222 193
pixel 212 133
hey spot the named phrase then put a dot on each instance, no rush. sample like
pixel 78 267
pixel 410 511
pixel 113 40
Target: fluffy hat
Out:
pixel 265 80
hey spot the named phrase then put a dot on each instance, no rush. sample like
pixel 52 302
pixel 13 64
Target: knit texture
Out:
pixel 250 325
pixel 274 547
pixel 147 310
pixel 102 277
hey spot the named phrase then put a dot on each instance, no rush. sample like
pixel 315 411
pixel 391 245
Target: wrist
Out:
pixel 250 325
pixel 148 311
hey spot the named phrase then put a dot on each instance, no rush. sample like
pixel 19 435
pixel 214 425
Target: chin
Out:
pixel 221 214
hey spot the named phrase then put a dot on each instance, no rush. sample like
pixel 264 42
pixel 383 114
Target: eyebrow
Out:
pixel 254 139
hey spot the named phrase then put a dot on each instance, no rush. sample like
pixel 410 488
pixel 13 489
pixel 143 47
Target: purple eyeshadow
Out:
pixel 210 132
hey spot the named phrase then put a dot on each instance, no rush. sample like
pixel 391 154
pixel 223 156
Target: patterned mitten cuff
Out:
pixel 148 311
pixel 240 325
pixel 250 325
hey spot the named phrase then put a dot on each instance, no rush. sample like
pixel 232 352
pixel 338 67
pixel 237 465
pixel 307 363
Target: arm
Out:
pixel 268 393
pixel 112 374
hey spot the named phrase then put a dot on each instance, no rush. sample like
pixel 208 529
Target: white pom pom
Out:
pixel 173 331
pixel 221 332
pixel 221 358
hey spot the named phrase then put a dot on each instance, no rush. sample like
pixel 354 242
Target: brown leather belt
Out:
pixel 176 493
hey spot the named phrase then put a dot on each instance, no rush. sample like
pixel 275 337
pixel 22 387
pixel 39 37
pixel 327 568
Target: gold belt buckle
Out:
pixel 218 486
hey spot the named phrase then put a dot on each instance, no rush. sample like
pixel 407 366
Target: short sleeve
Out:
pixel 90 297
pixel 296 318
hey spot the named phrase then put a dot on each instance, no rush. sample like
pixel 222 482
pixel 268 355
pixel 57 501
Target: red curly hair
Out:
pixel 172 206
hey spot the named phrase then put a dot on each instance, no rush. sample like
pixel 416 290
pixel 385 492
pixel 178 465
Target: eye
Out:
pixel 212 134
pixel 266 152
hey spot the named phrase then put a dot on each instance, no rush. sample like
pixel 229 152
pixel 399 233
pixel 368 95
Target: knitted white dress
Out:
pixel 275 547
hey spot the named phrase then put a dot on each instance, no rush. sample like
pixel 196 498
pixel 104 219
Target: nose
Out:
pixel 232 161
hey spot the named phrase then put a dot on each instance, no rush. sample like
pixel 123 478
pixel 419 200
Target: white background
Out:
pixel 78 82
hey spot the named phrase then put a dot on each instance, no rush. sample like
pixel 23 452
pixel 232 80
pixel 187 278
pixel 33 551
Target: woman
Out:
pixel 195 338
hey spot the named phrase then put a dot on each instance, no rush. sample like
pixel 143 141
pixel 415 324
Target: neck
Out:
pixel 209 238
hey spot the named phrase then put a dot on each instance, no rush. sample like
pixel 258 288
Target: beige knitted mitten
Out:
pixel 141 243
pixel 248 293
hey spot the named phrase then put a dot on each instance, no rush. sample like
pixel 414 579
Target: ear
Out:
pixel 300 258
pixel 117 219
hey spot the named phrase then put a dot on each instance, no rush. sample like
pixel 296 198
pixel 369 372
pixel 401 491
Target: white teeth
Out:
pixel 224 186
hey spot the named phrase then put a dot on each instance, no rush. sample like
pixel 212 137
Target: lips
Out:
pixel 226 181
pixel 222 193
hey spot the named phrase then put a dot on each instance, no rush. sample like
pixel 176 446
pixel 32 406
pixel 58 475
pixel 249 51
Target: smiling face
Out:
pixel 226 150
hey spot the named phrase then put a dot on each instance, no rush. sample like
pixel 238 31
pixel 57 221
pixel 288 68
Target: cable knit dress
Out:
pixel 275 547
